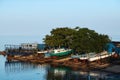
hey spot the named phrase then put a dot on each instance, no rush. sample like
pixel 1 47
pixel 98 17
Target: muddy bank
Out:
pixel 77 65
pixel 35 58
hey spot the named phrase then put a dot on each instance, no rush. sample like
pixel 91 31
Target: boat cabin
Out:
pixel 29 45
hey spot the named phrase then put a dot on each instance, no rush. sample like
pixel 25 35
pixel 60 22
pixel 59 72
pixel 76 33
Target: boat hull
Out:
pixel 61 53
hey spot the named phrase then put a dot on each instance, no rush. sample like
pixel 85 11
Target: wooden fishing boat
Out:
pixel 93 56
pixel 60 52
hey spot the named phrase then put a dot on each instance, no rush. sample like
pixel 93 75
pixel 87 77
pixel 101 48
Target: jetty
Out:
pixel 19 49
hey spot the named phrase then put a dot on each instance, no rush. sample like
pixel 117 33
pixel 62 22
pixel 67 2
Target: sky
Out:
pixel 39 17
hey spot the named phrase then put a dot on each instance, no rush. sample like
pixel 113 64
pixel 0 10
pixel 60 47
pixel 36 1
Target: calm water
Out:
pixel 29 71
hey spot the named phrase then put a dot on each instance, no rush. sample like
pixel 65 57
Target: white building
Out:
pixel 29 45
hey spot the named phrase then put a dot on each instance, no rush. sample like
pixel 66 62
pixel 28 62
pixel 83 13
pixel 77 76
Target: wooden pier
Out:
pixel 19 50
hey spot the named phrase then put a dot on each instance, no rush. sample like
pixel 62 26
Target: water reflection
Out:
pixel 47 72
pixel 64 73
pixel 27 71
pixel 21 67
pixel 15 66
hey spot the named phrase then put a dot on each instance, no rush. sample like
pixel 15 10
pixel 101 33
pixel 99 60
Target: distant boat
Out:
pixel 60 52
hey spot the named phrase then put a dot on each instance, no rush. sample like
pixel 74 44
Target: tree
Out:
pixel 78 39
pixel 60 37
pixel 86 40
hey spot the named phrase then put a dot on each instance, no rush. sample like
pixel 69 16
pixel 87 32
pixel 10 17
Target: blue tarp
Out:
pixel 41 46
pixel 117 50
pixel 110 47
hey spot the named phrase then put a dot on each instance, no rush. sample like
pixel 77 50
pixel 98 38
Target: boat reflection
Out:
pixel 16 66
pixel 64 73
pixel 56 73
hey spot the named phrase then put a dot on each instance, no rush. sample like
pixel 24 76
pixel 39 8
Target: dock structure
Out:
pixel 19 49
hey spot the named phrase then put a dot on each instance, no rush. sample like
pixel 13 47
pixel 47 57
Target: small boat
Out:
pixel 40 52
pixel 60 52
pixel 101 55
pixel 93 56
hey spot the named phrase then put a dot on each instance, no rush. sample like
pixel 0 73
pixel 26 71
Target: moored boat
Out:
pixel 60 52
pixel 40 52
pixel 93 56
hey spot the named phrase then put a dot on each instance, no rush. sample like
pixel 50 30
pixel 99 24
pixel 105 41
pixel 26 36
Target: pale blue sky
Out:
pixel 38 17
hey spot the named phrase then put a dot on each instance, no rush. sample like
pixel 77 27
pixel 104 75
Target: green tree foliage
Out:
pixel 60 37
pixel 79 39
pixel 86 40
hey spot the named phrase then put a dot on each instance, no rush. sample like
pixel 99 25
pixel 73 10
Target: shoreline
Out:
pixel 68 62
